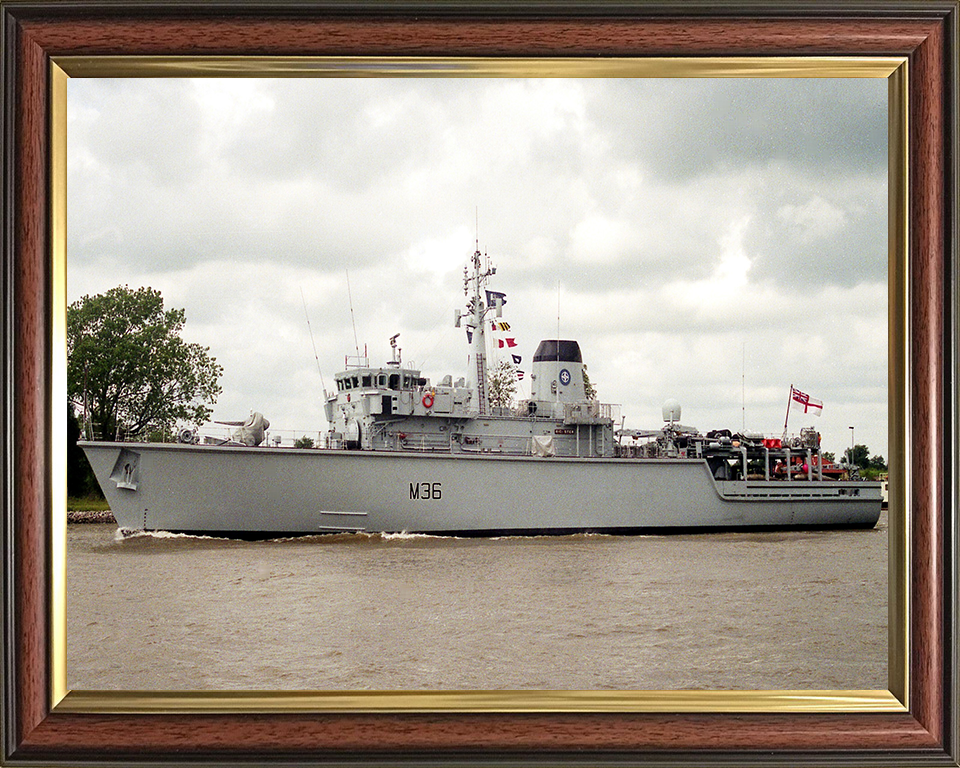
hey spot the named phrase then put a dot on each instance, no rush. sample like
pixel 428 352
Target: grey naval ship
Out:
pixel 405 455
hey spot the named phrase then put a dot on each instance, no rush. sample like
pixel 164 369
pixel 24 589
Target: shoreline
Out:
pixel 90 516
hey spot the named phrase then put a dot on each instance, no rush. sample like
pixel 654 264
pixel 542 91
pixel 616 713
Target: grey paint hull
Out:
pixel 271 491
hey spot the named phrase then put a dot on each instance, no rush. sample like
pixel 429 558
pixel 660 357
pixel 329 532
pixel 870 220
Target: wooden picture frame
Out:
pixel 38 729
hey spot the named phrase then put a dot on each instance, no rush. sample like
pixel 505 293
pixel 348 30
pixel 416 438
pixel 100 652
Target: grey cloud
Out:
pixel 318 180
pixel 685 128
pixel 807 253
pixel 324 130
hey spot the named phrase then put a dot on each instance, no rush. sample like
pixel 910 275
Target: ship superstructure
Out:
pixel 393 407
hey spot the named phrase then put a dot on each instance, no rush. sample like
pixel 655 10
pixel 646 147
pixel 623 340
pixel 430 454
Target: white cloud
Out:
pixel 813 220
pixel 601 239
pixel 725 289
pixel 226 107
pixel 432 261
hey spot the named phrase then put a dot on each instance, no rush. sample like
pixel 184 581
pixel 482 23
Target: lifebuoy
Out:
pixel 428 400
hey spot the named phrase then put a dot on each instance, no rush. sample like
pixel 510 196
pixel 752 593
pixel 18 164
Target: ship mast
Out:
pixel 474 286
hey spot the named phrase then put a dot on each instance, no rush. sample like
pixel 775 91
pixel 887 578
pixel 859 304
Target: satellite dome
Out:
pixel 671 410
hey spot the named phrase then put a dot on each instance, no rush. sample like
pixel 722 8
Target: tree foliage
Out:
pixel 863 459
pixel 878 462
pixel 128 363
pixel 502 384
pixel 589 392
pixel 81 481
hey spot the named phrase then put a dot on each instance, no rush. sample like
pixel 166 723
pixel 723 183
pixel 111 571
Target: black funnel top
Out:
pixel 562 351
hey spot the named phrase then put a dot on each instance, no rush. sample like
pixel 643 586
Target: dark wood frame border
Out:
pixel 924 32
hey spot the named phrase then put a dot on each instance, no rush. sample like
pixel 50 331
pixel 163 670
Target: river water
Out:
pixel 589 612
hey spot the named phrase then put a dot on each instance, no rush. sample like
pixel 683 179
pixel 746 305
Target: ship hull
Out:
pixel 265 492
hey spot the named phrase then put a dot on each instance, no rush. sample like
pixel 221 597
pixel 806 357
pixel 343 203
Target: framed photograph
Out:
pixel 48 47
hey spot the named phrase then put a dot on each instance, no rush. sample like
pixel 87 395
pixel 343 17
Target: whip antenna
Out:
pixel 312 342
pixel 353 319
pixel 558 336
pixel 558 320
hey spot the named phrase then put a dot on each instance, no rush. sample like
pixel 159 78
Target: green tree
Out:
pixel 129 367
pixel 502 385
pixel 303 442
pixel 861 456
pixel 80 479
pixel 863 459
pixel 589 392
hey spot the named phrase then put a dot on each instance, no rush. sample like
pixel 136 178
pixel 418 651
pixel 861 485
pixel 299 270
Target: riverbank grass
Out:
pixel 87 504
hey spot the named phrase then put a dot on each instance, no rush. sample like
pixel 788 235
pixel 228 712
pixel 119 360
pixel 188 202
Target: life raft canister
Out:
pixel 428 400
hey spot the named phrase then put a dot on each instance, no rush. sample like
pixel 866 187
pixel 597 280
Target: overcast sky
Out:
pixel 709 240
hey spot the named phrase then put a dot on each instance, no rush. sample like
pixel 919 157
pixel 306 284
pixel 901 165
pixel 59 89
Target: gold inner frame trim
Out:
pixel 412 66
pixel 894 69
pixel 57 192
pixel 131 702
pixel 898 386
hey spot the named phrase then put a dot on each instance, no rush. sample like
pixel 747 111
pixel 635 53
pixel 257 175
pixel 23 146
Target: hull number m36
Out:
pixel 421 491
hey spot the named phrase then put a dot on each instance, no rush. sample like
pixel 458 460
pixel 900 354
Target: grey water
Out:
pixel 790 610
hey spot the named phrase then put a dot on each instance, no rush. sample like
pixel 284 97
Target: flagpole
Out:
pixel 787 417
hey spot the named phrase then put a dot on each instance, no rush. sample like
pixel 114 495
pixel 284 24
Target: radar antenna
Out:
pixel 396 350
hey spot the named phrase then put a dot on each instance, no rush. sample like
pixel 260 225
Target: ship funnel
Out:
pixel 557 372
pixel 671 411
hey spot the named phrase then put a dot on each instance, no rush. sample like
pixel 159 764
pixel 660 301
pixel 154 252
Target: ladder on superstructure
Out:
pixel 481 385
